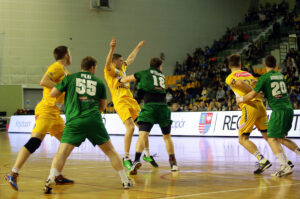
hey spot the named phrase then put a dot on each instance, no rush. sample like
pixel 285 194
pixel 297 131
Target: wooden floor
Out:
pixel 209 168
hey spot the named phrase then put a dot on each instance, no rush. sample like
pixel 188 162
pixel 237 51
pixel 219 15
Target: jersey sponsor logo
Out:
pixel 205 122
pixel 242 74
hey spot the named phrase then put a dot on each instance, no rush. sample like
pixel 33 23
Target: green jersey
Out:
pixel 273 85
pixel 152 83
pixel 83 92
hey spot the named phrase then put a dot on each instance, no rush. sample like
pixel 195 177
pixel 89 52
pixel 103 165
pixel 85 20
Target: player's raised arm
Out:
pixel 133 54
pixel 108 62
pixel 127 79
pixel 46 81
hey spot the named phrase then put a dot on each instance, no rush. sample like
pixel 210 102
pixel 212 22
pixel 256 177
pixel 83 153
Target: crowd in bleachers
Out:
pixel 198 83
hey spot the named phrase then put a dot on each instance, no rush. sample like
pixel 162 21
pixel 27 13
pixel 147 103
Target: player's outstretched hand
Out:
pixel 140 44
pixel 113 43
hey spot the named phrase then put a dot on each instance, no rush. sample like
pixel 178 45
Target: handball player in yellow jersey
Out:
pixel 47 115
pixel 124 103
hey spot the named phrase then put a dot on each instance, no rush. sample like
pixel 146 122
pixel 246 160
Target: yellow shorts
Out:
pixel 127 107
pixel 253 114
pixel 48 119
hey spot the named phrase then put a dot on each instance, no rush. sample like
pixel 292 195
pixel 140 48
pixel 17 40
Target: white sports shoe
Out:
pixel 50 183
pixel 174 168
pixel 127 184
pixel 284 170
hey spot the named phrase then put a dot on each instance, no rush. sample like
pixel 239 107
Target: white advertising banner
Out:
pixel 223 123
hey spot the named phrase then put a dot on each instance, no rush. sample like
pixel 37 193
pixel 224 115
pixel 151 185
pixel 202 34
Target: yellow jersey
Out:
pixel 246 77
pixel 56 72
pixel 118 90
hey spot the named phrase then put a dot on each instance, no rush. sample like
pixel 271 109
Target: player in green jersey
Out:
pixel 85 99
pixel 151 83
pixel 273 85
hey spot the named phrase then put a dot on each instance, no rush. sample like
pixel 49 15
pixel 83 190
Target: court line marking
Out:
pixel 227 191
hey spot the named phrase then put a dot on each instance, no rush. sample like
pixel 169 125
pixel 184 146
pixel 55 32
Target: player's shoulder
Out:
pixel 56 65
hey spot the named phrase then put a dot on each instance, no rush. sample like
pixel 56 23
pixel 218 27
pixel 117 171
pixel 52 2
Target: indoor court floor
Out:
pixel 210 168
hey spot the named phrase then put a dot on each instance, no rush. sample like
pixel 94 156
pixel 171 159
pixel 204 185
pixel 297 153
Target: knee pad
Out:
pixel 145 126
pixel 166 130
pixel 33 144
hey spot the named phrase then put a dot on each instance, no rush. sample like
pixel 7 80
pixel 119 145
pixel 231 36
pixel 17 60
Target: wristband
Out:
pixel 241 99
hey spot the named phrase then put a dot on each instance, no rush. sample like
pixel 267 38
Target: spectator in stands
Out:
pixel 229 106
pixel 176 107
pixel 169 97
pixel 186 108
pixel 195 108
pixel 178 95
pixel 220 93
pixel 212 106
pixel 235 108
pixel 202 106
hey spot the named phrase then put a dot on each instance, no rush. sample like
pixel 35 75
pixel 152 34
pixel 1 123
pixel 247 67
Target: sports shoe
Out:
pixel 174 168
pixel 262 166
pixel 135 167
pixel 50 183
pixel 127 184
pixel 61 180
pixel 290 164
pixel 284 170
pixel 11 179
pixel 127 164
pixel 150 160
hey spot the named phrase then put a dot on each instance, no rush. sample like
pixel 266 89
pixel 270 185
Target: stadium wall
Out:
pixel 11 98
pixel 31 29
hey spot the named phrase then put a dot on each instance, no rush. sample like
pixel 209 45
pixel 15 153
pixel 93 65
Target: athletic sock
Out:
pixel 123 176
pixel 15 170
pixel 282 159
pixel 126 156
pixel 172 159
pixel 259 156
pixel 137 156
pixel 147 152
pixel 297 151
pixel 53 173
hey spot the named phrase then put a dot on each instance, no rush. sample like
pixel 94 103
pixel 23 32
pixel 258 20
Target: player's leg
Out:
pixel 144 130
pixel 165 123
pixel 129 124
pixel 116 162
pixel 248 119
pixel 146 157
pixel 57 130
pixel 290 144
pixel 276 130
pixel 58 162
pixel 170 147
pixel 98 135
pixel 38 134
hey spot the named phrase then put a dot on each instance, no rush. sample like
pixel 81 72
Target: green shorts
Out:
pixel 280 123
pixel 155 113
pixel 92 128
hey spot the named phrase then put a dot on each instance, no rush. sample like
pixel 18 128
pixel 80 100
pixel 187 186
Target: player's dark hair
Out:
pixel 155 62
pixel 270 61
pixel 88 62
pixel 234 60
pixel 59 52
pixel 116 56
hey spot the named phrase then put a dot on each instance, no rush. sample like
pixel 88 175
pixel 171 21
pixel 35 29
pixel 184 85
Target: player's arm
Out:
pixel 247 97
pixel 133 54
pixel 102 104
pixel 55 92
pixel 46 81
pixel 108 62
pixel 241 85
pixel 127 79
